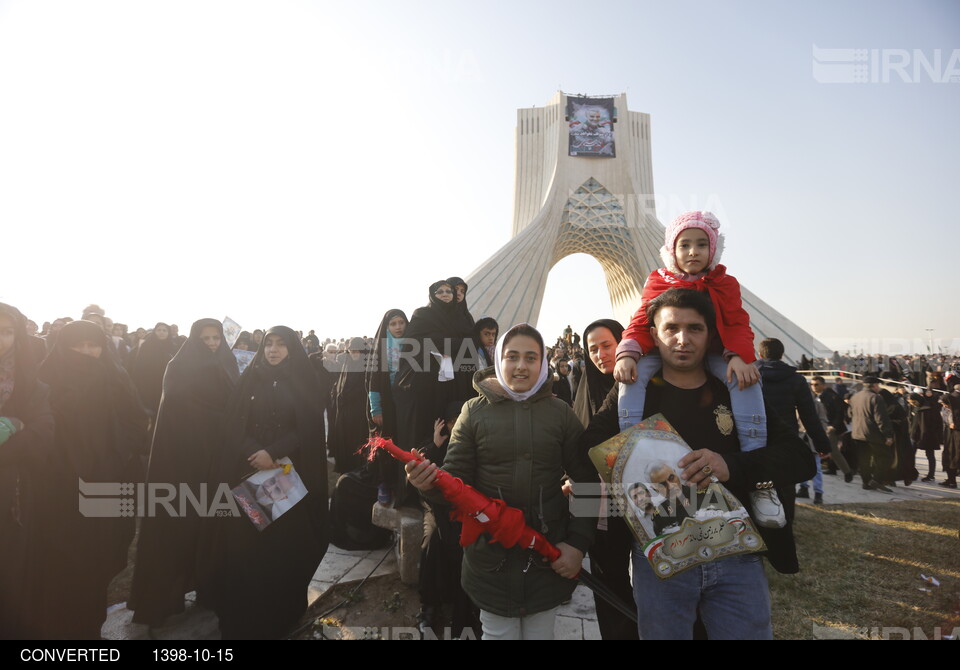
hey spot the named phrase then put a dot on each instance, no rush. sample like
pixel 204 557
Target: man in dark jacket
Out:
pixel 786 392
pixel 686 394
pixel 836 426
pixel 872 433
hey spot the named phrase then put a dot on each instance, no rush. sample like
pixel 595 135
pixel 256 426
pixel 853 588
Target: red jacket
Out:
pixel 733 322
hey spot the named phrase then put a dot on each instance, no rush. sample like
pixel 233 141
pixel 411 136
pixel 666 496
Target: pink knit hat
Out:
pixel 706 222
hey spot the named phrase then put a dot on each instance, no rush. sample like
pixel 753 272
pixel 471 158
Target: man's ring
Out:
pixel 707 470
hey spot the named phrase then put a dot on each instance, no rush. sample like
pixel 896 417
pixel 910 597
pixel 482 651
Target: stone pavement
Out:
pixel 838 492
pixel 577 620
pixel 197 623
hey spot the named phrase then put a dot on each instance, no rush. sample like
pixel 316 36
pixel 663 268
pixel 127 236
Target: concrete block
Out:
pixel 407 523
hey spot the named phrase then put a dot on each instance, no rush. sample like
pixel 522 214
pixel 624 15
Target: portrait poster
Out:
pixel 676 525
pixel 590 123
pixel 231 331
pixel 243 358
pixel 267 494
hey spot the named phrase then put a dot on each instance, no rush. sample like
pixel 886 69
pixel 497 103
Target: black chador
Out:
pixel 100 436
pixel 188 435
pixel 259 579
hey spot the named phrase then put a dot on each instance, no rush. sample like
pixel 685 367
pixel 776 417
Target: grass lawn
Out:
pixel 860 567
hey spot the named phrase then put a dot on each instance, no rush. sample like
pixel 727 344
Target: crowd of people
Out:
pixel 86 402
pixel 912 368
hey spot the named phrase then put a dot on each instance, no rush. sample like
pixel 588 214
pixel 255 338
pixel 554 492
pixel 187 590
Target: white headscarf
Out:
pixel 519 397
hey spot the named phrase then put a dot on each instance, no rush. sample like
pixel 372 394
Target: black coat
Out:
pixel 835 411
pixel 149 366
pixel 787 394
pixel 377 376
pixel 926 425
pixel 561 389
pixel 351 428
pixel 258 580
pixel 188 432
pixel 389 471
pixel 464 348
pixel 786 461
pixel 23 458
pixel 100 435
pixel 419 396
pixel 951 441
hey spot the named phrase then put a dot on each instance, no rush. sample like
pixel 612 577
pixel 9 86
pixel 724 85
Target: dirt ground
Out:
pixel 382 608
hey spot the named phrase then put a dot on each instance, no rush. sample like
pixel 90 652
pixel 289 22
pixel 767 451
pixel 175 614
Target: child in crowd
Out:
pixel 691 256
pixel 516 442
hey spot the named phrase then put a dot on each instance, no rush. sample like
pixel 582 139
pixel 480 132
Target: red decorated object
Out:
pixel 475 511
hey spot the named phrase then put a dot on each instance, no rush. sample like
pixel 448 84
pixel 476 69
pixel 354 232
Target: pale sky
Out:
pixel 317 163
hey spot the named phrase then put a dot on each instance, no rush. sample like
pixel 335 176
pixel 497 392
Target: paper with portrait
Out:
pixel 266 495
pixel 677 526
pixel 231 331
pixel 243 358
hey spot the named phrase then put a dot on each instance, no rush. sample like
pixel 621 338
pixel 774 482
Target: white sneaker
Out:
pixel 767 510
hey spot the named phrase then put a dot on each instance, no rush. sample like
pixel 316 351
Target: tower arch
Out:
pixel 594 222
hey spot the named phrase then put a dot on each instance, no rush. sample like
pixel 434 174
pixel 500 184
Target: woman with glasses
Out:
pixel 425 381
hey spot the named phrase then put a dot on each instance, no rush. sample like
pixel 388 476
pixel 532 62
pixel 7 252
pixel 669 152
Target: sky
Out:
pixel 317 163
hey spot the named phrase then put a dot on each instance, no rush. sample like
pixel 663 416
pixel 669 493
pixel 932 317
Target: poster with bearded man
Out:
pixel 591 127
pixel 677 525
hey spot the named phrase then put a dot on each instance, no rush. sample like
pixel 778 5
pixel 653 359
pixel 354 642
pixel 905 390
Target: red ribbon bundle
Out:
pixel 476 512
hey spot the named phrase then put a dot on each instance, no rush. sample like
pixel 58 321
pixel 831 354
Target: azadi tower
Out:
pixel 585 185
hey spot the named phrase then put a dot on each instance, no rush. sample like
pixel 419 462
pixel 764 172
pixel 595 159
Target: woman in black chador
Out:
pixel 26 438
pixel 100 435
pixel 610 553
pixel 382 366
pixel 419 395
pixel 596 384
pixel 196 388
pixel 259 579
pixel 150 364
pixel 350 429
pixel 463 349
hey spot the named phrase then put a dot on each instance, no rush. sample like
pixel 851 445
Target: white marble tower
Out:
pixel 601 206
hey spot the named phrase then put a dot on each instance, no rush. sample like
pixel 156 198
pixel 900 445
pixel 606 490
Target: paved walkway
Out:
pixel 197 623
pixel 838 492
pixel 577 620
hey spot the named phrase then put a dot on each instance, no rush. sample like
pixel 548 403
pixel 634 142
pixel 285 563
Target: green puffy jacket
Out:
pixel 519 452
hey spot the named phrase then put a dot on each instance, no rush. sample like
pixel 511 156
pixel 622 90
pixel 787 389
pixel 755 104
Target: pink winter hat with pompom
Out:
pixel 706 222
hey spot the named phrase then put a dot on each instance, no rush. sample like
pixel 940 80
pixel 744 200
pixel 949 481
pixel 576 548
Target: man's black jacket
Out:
pixel 786 461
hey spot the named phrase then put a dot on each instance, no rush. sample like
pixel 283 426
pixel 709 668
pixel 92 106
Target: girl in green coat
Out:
pixel 516 441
